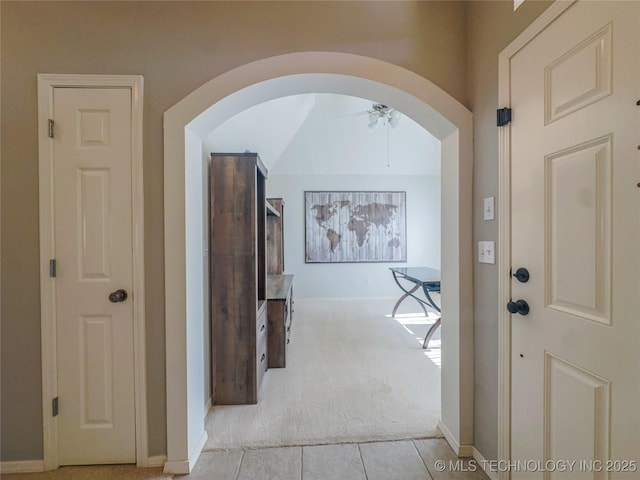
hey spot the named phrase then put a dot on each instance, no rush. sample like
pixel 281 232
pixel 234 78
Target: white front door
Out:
pixel 93 248
pixel 575 166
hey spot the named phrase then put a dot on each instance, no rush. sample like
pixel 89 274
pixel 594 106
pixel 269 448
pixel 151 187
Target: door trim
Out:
pixel 46 85
pixel 504 226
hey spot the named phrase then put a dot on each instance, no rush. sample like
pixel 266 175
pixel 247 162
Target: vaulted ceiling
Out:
pixel 327 134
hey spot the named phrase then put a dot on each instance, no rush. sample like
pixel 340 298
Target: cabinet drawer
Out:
pixel 261 326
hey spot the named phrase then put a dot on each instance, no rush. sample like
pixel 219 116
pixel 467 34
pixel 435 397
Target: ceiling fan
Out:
pixel 380 112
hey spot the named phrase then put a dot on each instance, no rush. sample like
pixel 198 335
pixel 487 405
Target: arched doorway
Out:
pixel 188 122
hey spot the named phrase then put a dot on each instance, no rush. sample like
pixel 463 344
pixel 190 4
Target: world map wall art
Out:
pixel 345 227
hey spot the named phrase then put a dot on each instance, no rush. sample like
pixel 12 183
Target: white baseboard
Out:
pixel 484 464
pixel 193 458
pixel 33 466
pixel 180 467
pixel 184 467
pixel 459 450
pixel 24 466
pixel 155 461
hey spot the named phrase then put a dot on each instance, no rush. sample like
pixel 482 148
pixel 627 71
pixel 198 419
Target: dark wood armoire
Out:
pixel 238 285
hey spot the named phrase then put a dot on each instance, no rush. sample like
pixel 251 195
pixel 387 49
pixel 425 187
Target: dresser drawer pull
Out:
pixel 262 327
pixel 288 340
pixel 263 357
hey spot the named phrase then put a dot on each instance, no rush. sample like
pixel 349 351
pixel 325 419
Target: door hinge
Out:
pixel 54 407
pixel 51 128
pixel 504 116
pixel 52 268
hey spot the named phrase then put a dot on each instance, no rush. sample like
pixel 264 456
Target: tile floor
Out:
pixel 397 460
pixel 384 460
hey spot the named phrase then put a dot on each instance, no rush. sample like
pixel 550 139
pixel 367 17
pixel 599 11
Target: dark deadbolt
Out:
pixel 522 275
pixel 519 306
pixel 118 296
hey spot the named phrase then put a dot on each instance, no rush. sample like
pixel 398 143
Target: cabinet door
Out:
pixel 289 316
pixel 277 333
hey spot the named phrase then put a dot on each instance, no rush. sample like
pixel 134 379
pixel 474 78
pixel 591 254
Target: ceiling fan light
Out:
pixel 373 119
pixel 395 114
pixel 393 121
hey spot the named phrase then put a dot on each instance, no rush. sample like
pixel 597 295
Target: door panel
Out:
pixel 580 77
pixel 96 360
pixel 93 247
pixel 94 223
pixel 576 227
pixel 578 200
pixel 576 413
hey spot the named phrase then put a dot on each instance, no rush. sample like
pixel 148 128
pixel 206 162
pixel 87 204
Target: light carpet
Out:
pixel 353 374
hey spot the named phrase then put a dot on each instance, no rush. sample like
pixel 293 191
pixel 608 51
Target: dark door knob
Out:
pixel 522 275
pixel 519 306
pixel 118 296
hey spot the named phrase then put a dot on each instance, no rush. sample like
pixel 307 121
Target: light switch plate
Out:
pixel 486 252
pixel 488 208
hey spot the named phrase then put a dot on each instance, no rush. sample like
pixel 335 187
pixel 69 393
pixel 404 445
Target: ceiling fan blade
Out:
pixel 364 112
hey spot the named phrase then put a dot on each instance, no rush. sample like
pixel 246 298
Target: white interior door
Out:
pixel 576 227
pixel 93 247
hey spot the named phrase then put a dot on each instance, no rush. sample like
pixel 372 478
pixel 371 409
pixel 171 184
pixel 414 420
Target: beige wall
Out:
pixel 492 25
pixel 176 46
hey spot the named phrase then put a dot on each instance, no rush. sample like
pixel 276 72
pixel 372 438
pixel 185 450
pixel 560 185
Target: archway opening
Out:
pixel 186 126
